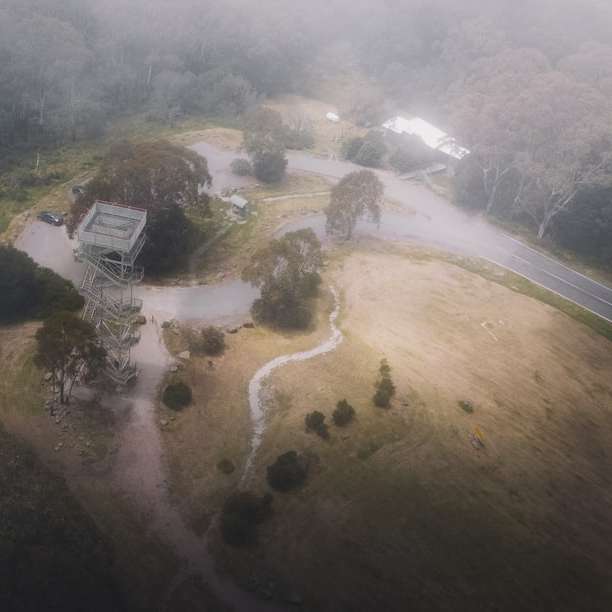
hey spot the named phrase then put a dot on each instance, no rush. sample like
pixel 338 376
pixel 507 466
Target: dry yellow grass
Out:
pixel 400 510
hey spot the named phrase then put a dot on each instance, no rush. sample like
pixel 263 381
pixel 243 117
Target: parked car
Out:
pixel 51 218
pixel 78 190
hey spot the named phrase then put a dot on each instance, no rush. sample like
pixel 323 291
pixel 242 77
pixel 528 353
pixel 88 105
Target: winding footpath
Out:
pixel 256 403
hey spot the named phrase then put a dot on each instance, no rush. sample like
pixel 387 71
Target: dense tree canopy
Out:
pixel 357 195
pixel 287 273
pixel 162 178
pixel 27 290
pixel 264 140
pixel 68 348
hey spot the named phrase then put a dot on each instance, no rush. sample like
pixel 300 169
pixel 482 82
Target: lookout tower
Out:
pixel 110 239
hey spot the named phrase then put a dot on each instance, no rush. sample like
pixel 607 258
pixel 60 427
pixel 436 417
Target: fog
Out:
pixel 435 173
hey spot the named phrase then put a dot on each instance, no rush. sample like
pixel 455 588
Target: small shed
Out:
pixel 240 205
pixel 333 117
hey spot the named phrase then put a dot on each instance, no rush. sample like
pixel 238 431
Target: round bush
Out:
pixel 242 167
pixel 213 340
pixel 343 414
pixel 315 421
pixel 177 395
pixel 241 514
pixel 288 472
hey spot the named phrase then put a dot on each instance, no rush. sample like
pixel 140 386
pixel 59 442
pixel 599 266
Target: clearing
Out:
pixel 402 506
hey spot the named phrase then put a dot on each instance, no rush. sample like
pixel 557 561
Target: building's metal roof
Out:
pixel 432 136
pixel 238 201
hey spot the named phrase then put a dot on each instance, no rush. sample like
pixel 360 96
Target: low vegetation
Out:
pixel 177 396
pixel 385 389
pixel 288 472
pixel 315 421
pixel 29 291
pixel 343 414
pixel 242 167
pixel 242 512
pixel 208 341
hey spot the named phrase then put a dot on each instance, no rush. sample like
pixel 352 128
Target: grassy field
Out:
pixel 401 510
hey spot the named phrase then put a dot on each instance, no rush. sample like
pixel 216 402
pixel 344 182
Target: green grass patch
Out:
pixel 22 390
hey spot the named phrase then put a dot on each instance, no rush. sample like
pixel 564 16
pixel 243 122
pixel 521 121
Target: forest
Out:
pixel 525 86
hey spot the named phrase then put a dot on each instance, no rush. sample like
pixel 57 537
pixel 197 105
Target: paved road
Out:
pixel 427 218
pixel 439 223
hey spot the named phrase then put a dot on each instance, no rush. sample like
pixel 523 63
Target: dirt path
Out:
pixel 140 472
pixel 256 405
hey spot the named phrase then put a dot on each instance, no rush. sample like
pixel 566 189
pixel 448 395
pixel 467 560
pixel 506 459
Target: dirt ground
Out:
pixel 80 445
pixel 217 425
pixel 401 511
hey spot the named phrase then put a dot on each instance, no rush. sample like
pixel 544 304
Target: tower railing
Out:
pixel 109 279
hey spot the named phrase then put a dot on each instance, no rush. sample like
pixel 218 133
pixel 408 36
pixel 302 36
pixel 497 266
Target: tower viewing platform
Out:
pixel 111 238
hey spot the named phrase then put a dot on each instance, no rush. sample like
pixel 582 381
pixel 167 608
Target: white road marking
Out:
pixel 501 265
pixel 562 280
pixel 555 261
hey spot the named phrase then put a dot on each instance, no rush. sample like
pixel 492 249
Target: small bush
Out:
pixel 288 472
pixel 177 396
pixel 385 389
pixel 466 406
pixel 211 341
pixel 269 166
pixel 242 167
pixel 315 421
pixel 226 466
pixel 343 414
pixel 351 147
pixel 241 514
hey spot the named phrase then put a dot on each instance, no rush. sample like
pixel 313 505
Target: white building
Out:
pixel 239 205
pixel 432 136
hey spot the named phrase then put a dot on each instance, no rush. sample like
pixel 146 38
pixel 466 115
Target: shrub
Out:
pixel 315 421
pixel 210 341
pixel 466 406
pixel 269 166
pixel 288 472
pixel 177 395
pixel 385 389
pixel 226 466
pixel 372 151
pixel 343 414
pixel 242 167
pixel 351 147
pixel 241 514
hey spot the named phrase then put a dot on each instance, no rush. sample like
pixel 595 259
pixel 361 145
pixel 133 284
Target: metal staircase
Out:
pixel 111 238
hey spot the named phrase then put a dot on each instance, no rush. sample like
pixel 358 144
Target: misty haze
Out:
pixel 305 305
